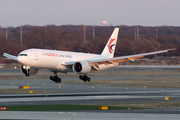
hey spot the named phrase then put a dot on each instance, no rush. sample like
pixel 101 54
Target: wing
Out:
pixel 150 66
pixel 95 63
pixel 116 60
pixel 10 56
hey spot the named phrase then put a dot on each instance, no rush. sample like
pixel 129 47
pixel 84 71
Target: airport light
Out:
pixel 103 107
pixel 3 108
pixel 23 87
pixel 156 34
pixel 137 32
pixel 93 32
pixel 6 32
pixel 30 91
pixel 21 38
pixel 148 32
pixel 84 34
pixel 45 34
pixel 166 98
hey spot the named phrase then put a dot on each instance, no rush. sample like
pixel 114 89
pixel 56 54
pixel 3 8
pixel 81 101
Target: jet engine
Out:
pixel 27 71
pixel 81 67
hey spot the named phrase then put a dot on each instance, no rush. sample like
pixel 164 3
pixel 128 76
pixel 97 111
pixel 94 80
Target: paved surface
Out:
pixel 89 97
pixel 87 94
pixel 86 116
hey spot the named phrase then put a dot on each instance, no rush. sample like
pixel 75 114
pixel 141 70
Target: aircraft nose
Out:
pixel 19 59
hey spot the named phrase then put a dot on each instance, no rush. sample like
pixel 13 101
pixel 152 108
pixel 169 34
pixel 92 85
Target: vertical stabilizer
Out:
pixel 109 49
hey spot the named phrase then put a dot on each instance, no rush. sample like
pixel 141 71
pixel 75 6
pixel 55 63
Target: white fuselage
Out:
pixel 54 59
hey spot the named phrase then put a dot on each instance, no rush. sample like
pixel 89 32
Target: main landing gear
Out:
pixel 85 78
pixel 56 79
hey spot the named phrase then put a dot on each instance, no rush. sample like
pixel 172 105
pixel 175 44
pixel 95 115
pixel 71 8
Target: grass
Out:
pixel 137 78
pixel 132 78
pixel 135 82
pixel 22 91
pixel 62 107
pixel 113 72
pixel 156 104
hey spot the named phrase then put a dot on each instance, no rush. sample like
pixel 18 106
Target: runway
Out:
pixel 86 116
pixel 65 93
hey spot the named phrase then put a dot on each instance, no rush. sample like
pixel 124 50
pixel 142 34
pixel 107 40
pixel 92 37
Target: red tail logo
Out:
pixel 110 46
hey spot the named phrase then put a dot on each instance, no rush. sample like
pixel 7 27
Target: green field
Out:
pixel 62 107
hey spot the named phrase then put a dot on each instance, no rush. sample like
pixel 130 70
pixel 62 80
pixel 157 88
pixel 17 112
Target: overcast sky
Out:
pixel 90 12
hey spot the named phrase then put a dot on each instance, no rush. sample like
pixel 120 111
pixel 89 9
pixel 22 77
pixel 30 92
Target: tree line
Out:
pixel 71 38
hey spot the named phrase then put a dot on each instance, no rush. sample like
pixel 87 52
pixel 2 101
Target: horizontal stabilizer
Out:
pixel 10 56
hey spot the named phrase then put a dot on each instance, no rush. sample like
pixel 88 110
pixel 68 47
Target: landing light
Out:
pixel 63 63
pixel 26 67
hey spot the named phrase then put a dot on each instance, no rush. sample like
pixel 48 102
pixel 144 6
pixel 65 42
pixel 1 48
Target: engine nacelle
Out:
pixel 27 71
pixel 81 67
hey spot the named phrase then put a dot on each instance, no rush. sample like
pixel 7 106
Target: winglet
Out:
pixel 109 49
pixel 10 56
pixel 172 49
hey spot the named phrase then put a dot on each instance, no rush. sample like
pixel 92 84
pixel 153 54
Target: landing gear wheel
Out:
pixel 89 80
pixel 51 77
pixel 85 78
pixel 56 79
pixel 80 77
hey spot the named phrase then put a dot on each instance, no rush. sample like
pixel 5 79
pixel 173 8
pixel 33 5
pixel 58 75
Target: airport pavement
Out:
pixel 82 93
pixel 83 115
pixel 87 94
pixel 89 98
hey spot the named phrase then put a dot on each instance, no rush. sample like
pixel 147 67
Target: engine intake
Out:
pixel 81 67
pixel 27 71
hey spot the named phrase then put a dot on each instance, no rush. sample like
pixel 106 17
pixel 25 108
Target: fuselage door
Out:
pixel 36 56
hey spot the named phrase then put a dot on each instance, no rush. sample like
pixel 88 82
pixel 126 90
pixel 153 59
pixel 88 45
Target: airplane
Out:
pixel 80 63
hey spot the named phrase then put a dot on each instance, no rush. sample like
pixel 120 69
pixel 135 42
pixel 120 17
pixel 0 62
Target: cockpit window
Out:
pixel 23 55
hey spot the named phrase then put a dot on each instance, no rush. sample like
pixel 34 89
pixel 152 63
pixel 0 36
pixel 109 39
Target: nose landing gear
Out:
pixel 85 78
